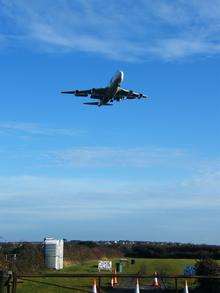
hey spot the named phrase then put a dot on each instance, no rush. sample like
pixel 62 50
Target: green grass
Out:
pixel 146 266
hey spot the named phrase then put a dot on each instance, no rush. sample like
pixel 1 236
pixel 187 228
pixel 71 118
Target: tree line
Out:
pixel 29 257
pixel 172 250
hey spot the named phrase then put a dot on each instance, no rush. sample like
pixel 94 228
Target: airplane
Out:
pixel 106 95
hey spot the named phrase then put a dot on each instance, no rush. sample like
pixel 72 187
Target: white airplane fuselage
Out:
pixel 114 85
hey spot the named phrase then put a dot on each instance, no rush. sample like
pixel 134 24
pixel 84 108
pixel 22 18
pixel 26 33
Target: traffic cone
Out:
pixel 155 282
pixel 115 279
pixel 186 289
pixel 112 282
pixel 94 288
pixel 137 289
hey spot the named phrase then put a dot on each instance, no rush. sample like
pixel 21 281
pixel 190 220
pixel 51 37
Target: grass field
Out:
pixel 146 266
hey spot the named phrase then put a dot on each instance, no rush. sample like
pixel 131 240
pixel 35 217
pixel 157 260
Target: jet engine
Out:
pixel 130 95
pixel 80 94
pixel 95 96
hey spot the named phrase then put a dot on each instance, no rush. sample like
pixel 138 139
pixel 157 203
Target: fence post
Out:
pixel 99 286
pixel 8 283
pixel 14 283
pixel 3 279
pixel 176 285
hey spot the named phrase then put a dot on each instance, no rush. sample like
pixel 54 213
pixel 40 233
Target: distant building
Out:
pixel 53 253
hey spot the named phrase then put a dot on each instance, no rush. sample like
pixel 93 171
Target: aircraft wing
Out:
pixel 123 93
pixel 95 92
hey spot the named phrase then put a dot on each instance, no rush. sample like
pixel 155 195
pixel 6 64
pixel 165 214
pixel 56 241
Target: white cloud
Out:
pixel 176 48
pixel 120 30
pixel 75 198
pixel 35 129
pixel 117 157
pixel 206 179
pixel 62 204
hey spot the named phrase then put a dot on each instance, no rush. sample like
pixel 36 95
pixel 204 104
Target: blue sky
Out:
pixel 140 170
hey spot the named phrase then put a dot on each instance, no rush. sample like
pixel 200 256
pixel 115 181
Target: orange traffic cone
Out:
pixel 115 279
pixel 94 288
pixel 137 289
pixel 155 282
pixel 112 282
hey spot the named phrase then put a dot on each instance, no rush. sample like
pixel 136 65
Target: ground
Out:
pixel 145 266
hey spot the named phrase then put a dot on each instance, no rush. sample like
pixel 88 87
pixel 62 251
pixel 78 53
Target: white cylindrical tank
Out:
pixel 53 253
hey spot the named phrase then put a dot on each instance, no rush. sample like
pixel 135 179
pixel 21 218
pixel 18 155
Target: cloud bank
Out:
pixel 122 30
pixel 93 188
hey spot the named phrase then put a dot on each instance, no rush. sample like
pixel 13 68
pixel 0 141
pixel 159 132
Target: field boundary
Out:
pixel 14 279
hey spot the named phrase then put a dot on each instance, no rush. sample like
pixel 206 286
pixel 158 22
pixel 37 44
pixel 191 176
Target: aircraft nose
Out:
pixel 121 74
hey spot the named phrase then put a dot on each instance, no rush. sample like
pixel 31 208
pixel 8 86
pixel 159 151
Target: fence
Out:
pixel 9 281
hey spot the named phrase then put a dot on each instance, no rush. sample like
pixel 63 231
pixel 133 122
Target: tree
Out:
pixel 208 267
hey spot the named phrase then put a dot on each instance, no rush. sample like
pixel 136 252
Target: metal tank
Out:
pixel 53 253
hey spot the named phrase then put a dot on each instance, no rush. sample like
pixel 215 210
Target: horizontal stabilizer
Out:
pixel 68 92
pixel 107 105
pixel 92 103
